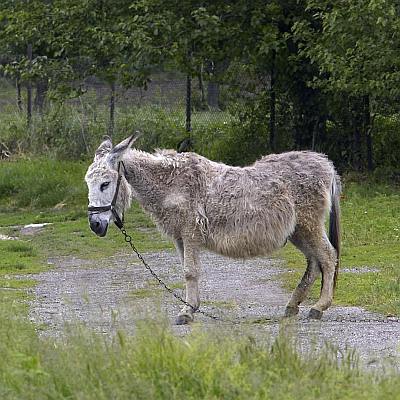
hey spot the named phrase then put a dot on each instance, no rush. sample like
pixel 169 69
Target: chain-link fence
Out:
pixel 191 101
pixel 171 108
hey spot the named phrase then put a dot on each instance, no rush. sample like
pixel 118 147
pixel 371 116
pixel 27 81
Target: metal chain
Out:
pixel 128 239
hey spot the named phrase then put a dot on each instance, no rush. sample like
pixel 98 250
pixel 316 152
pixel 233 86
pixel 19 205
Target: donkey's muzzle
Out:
pixel 98 226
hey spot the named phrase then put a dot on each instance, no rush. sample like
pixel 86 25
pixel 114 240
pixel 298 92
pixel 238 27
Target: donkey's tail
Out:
pixel 334 222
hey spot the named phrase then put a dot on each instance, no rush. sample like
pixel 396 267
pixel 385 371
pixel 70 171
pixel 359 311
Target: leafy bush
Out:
pixel 386 137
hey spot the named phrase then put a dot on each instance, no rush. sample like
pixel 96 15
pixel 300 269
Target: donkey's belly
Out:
pixel 251 240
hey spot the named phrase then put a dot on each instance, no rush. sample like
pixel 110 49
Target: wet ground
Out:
pixel 117 292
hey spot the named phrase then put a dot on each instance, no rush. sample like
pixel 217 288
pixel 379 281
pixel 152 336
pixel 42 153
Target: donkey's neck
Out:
pixel 148 177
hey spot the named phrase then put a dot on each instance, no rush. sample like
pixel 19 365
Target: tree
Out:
pixel 355 45
pixel 117 41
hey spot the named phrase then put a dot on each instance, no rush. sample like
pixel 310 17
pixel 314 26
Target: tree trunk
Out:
pixel 212 87
pixel 213 95
pixel 201 88
pixel 111 122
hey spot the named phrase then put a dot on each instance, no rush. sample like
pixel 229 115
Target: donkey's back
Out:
pixel 254 210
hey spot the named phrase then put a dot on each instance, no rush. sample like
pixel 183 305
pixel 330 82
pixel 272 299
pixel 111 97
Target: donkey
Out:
pixel 237 212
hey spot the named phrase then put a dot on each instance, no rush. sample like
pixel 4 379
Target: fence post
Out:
pixel 111 121
pixel 272 102
pixel 29 89
pixel 19 96
pixel 188 103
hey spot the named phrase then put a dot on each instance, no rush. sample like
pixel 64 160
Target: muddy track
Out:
pixel 117 292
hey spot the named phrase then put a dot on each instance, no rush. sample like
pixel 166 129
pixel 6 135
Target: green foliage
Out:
pixel 354 44
pixel 239 142
pixel 313 72
pixel 72 40
pixel 387 138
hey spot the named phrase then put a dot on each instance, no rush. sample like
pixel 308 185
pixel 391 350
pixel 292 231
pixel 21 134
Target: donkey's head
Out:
pixel 109 191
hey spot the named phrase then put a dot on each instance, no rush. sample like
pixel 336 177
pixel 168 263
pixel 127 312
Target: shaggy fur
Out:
pixel 237 212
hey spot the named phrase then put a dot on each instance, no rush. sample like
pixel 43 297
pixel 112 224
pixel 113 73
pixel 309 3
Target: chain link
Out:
pixel 128 239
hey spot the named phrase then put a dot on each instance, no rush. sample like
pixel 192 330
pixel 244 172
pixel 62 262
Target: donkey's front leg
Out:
pixel 191 268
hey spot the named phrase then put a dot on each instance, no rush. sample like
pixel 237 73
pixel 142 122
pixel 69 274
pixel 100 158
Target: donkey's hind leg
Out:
pixel 310 275
pixel 327 259
pixel 302 289
pixel 322 258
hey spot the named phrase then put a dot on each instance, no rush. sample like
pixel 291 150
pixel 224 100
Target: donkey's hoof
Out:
pixel 315 314
pixel 184 319
pixel 291 311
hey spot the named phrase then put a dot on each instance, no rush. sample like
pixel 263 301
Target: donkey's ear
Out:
pixel 120 149
pixel 104 148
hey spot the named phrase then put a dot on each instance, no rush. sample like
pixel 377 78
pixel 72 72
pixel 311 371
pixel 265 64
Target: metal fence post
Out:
pixel 29 89
pixel 188 103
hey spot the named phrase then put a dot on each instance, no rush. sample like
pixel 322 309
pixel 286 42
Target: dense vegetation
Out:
pixel 291 74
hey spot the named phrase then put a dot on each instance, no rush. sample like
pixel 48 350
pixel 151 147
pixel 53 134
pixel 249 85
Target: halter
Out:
pixel 111 207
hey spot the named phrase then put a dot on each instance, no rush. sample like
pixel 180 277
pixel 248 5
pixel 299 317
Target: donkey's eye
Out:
pixel 104 185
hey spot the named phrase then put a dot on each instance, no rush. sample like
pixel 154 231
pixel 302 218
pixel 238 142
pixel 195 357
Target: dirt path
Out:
pixel 118 291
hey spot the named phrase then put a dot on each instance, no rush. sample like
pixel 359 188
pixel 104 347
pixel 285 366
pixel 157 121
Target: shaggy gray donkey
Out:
pixel 237 212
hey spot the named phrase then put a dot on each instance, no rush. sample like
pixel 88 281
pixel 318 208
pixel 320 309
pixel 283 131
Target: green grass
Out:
pixel 42 183
pixel 371 239
pixel 156 364
pixel 20 257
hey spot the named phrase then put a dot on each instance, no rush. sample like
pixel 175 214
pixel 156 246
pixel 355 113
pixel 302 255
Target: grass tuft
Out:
pixel 21 247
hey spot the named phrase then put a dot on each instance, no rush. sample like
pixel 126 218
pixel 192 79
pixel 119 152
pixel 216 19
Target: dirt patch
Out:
pixel 117 292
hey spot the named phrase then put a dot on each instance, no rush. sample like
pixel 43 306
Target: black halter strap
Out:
pixel 111 207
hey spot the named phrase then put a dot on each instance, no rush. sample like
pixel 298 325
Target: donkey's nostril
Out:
pixel 98 227
pixel 94 225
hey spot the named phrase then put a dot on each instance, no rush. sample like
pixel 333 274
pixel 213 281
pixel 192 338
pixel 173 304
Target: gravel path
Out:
pixel 118 291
